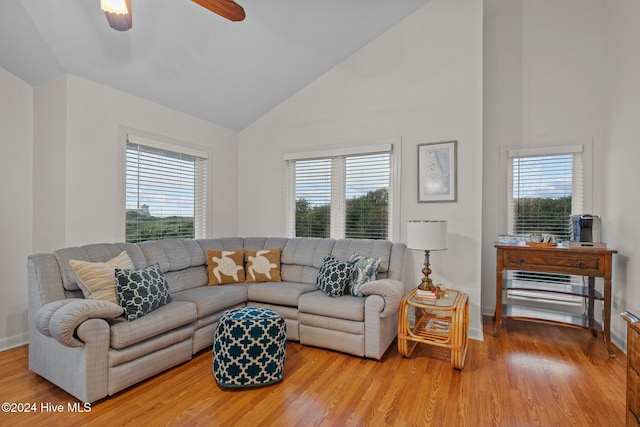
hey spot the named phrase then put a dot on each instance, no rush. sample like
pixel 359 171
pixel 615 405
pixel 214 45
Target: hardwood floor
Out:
pixel 532 375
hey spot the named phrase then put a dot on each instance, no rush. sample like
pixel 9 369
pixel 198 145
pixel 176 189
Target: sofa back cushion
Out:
pixel 258 243
pixel 181 260
pixel 302 257
pixel 99 252
pixel 368 248
pixel 220 243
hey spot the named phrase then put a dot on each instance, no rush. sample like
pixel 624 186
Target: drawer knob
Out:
pixel 581 264
pixel 523 261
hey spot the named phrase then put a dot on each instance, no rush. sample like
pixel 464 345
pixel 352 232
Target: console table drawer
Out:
pixel 581 265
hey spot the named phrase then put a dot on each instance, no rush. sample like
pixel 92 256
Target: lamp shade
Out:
pixel 427 235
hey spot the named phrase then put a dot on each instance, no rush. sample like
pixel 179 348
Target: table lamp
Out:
pixel 427 236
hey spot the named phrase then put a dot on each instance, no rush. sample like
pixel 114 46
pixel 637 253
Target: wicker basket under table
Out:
pixel 444 323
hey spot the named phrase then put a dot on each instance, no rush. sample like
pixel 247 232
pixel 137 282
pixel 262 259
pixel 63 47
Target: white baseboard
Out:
pixel 14 341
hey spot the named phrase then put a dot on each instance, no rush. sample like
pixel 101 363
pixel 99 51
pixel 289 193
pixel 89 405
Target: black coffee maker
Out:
pixel 586 228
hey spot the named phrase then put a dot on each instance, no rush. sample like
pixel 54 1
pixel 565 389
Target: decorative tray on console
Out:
pixel 542 244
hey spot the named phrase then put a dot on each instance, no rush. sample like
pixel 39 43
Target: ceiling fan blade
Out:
pixel 225 8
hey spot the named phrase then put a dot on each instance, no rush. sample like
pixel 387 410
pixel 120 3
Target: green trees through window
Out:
pixel 141 227
pixel 365 215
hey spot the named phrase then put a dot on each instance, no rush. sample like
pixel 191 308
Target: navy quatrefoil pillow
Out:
pixel 333 276
pixel 141 291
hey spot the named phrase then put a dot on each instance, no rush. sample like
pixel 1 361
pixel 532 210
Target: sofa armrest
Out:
pixel 392 291
pixel 60 319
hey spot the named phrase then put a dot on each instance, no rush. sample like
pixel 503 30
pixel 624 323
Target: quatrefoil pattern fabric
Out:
pixel 333 276
pixel 249 347
pixel 141 291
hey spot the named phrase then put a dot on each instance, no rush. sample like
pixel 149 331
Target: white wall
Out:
pixel 421 81
pixel 16 148
pixel 544 85
pixel 622 201
pixel 67 132
pixel 90 152
pixel 49 165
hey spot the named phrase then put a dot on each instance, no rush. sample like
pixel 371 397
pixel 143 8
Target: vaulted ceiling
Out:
pixel 180 55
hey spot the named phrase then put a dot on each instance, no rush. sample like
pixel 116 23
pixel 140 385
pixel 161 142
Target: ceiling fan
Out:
pixel 118 12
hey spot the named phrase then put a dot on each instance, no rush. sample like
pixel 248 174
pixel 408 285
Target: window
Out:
pixel 165 191
pixel 347 194
pixel 545 189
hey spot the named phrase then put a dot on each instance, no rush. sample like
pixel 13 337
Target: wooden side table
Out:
pixel 444 323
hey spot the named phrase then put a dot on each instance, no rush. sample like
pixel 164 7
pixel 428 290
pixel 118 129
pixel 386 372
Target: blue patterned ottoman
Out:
pixel 249 347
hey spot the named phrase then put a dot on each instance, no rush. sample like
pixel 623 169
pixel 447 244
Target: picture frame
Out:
pixel 437 175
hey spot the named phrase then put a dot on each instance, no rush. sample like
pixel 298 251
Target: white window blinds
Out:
pixel 312 198
pixel 340 196
pixel 165 193
pixel 367 190
pixel 545 189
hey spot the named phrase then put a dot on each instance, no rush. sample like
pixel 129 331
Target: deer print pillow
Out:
pixel 263 265
pixel 226 266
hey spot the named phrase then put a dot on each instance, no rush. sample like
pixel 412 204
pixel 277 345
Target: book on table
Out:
pixel 427 295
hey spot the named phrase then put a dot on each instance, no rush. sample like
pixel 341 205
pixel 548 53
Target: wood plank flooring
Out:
pixel 532 375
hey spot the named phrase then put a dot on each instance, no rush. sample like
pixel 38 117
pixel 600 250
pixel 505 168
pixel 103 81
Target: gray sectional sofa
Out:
pixel 85 347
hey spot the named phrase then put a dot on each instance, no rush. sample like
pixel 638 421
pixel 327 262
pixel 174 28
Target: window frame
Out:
pixel 544 148
pixel 201 224
pixel 392 146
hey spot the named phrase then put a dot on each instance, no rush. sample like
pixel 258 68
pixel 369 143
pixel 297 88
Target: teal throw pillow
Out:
pixel 365 270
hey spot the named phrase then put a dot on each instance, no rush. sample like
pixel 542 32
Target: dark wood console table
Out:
pixel 590 262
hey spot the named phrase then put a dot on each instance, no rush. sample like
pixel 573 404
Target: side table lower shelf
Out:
pixel 551 316
pixel 444 323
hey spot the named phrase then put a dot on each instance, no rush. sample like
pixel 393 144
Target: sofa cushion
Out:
pixel 225 266
pixel 302 257
pixel 97 252
pixel 264 242
pixel 263 265
pixel 163 319
pixel 227 243
pixel 148 346
pixel 333 276
pixel 212 299
pixel 370 248
pixel 279 293
pixel 313 324
pixel 171 254
pixel 188 278
pixel 365 270
pixel 142 291
pixel 97 280
pixel 346 307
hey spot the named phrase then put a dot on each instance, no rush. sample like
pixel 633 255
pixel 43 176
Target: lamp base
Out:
pixel 427 283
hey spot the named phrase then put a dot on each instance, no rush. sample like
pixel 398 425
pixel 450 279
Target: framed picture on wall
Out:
pixel 437 172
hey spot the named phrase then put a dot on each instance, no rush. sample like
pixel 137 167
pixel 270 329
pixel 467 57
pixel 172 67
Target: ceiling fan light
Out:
pixel 119 7
pixel 118 13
